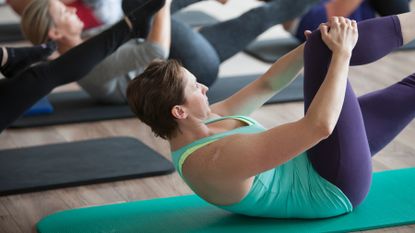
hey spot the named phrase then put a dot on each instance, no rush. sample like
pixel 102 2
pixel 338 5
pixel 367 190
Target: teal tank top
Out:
pixel 291 190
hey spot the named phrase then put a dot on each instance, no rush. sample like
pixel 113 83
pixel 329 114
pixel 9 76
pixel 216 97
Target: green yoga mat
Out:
pixel 390 202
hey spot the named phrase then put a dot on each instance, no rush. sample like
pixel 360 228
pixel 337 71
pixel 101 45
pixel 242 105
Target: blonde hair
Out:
pixel 36 21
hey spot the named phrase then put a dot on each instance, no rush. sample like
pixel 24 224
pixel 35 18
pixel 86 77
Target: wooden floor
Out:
pixel 19 213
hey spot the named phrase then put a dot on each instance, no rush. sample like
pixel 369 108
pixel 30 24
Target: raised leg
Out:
pixel 21 92
pixel 387 112
pixel 232 36
pixel 344 158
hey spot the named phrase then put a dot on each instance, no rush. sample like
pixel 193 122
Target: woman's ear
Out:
pixel 54 34
pixel 179 112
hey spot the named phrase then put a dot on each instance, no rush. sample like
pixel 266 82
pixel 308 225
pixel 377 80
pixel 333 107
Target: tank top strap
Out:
pixel 247 120
pixel 179 156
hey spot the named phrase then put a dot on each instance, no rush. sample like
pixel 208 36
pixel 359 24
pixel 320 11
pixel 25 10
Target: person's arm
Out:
pixel 266 150
pixel 132 56
pixel 18 5
pixel 342 7
pixel 160 32
pixel 254 95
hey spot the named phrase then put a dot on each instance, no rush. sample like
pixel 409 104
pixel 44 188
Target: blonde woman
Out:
pixel 19 92
pixel 201 51
pixel 93 13
pixel 108 80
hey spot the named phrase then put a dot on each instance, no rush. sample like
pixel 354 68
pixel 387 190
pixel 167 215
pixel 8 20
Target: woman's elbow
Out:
pixel 322 130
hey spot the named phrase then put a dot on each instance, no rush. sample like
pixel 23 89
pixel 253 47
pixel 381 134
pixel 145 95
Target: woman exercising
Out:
pixel 108 79
pixel 19 92
pixel 199 51
pixel 319 166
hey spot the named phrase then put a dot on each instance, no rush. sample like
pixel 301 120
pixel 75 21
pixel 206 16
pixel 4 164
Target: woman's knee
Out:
pixel 194 52
pixel 314 44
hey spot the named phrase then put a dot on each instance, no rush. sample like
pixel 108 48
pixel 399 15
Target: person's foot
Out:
pixel 141 17
pixel 129 5
pixel 19 59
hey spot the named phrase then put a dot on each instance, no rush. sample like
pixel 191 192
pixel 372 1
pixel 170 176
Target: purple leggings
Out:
pixel 367 123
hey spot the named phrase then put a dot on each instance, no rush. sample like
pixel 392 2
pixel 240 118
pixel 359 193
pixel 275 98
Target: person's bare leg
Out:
pixel 160 32
pixel 407 21
pixel 4 56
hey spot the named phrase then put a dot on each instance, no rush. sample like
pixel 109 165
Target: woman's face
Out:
pixel 65 20
pixel 195 95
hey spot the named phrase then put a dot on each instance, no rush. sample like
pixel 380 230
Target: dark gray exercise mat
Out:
pixel 195 18
pixel 10 32
pixel 225 87
pixel 78 163
pixel 75 107
pixel 271 50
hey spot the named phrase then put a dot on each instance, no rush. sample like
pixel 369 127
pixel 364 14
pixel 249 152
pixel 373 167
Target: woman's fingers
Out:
pixel 354 24
pixel 307 34
pixel 324 29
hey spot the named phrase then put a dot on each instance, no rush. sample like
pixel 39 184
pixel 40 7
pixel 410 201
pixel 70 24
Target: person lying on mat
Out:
pixel 315 167
pixel 20 91
pixel 353 9
pixel 105 82
pixel 201 51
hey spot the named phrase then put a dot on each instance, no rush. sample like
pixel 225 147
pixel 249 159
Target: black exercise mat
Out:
pixel 195 18
pixel 75 107
pixel 271 50
pixel 10 32
pixel 225 87
pixel 78 163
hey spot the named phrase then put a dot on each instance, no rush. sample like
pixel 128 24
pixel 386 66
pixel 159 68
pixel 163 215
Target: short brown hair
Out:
pixel 153 94
pixel 36 21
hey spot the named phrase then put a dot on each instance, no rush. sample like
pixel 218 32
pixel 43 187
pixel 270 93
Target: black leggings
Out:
pixel 390 7
pixel 19 93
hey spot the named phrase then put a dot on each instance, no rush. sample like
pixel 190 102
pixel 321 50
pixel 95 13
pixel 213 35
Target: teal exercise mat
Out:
pixel 77 163
pixel 226 86
pixel 271 50
pixel 195 18
pixel 390 202
pixel 77 106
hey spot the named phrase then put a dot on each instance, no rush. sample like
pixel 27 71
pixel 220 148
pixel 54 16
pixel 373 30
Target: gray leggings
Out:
pixel 201 52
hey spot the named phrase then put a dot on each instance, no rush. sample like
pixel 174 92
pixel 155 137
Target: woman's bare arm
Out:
pixel 254 95
pixel 256 153
pixel 160 32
